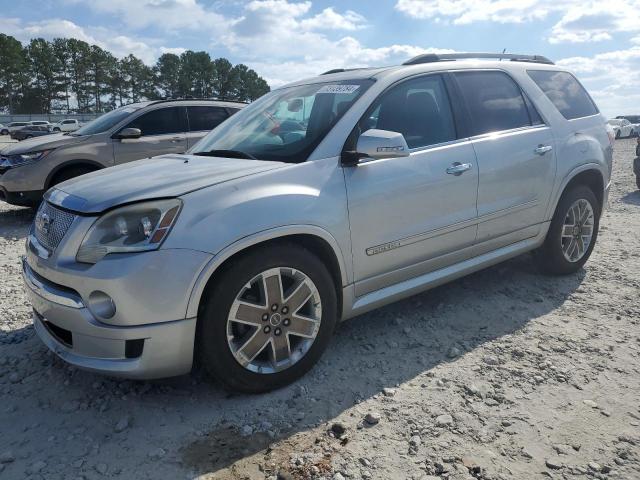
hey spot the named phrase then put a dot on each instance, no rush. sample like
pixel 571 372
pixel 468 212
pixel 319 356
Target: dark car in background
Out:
pixel 31 131
pixel 631 118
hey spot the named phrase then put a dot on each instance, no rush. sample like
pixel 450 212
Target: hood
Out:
pixel 44 142
pixel 158 177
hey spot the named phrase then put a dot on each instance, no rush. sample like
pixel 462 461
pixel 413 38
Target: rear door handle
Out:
pixel 458 168
pixel 542 149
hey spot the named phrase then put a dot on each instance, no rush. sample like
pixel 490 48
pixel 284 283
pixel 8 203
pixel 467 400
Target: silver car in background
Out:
pixel 136 131
pixel 322 200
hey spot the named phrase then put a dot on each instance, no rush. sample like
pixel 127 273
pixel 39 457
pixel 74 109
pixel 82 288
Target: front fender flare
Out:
pixel 255 239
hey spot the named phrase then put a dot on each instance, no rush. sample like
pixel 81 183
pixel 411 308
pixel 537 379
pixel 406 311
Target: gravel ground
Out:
pixel 503 374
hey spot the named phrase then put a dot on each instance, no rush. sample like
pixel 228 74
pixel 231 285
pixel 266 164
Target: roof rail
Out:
pixel 514 57
pixel 340 70
pixel 187 99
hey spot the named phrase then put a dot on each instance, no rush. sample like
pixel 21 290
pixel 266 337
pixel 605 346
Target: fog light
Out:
pixel 101 304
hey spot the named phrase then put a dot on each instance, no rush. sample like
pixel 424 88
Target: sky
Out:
pixel 286 40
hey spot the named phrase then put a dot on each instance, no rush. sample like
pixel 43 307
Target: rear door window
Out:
pixel 494 101
pixel 161 121
pixel 205 118
pixel 565 92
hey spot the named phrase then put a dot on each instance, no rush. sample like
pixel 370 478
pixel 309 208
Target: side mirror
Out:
pixel 129 133
pixel 377 144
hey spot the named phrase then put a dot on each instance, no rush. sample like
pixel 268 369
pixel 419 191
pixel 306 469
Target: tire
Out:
pixel 618 134
pixel 553 259
pixel 69 173
pixel 56 130
pixel 215 351
pixel 638 181
pixel 4 132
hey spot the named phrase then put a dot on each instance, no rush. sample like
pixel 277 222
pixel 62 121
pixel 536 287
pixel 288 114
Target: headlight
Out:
pixel 134 228
pixel 19 159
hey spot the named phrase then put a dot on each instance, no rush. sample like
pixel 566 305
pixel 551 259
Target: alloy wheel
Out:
pixel 274 320
pixel 577 230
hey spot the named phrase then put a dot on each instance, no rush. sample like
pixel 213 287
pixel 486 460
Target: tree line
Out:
pixel 67 75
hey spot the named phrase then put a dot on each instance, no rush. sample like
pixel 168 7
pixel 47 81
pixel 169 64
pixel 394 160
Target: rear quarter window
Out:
pixel 565 92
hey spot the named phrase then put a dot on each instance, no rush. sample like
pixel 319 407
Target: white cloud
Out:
pixel 464 11
pixel 329 19
pixel 581 21
pixel 167 15
pixel 595 22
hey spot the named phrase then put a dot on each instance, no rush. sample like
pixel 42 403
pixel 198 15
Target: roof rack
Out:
pixel 514 57
pixel 187 99
pixel 340 70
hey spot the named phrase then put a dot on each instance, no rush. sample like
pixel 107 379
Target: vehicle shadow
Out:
pixel 631 198
pixel 383 348
pixel 15 222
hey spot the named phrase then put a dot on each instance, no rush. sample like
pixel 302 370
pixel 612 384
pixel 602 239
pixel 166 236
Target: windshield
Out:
pixel 106 121
pixel 285 125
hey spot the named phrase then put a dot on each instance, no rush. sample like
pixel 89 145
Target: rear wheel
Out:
pixel 572 233
pixel 56 129
pixel 265 322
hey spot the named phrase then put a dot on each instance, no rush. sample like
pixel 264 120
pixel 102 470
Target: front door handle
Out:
pixel 176 139
pixel 542 149
pixel 458 168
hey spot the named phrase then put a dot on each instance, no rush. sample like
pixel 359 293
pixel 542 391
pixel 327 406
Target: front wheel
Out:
pixel 266 320
pixel 638 181
pixel 56 130
pixel 572 233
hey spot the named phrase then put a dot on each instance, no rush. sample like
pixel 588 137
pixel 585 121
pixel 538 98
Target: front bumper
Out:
pixel 69 329
pixel 22 199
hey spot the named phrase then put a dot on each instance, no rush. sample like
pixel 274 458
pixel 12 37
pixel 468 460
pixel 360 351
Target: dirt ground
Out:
pixel 506 374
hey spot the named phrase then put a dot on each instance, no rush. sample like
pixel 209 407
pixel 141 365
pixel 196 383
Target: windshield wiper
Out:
pixel 227 154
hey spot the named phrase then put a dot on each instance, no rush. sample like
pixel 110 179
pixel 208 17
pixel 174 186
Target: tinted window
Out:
pixel 106 121
pixel 566 93
pixel 205 118
pixel 419 109
pixel 534 116
pixel 68 121
pixel 158 122
pixel 287 124
pixel 494 101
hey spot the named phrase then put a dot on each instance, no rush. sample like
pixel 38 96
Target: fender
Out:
pixel 263 236
pixel 568 177
pixel 71 163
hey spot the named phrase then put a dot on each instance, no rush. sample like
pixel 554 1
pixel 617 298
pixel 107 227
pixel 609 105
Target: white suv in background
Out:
pixel 67 125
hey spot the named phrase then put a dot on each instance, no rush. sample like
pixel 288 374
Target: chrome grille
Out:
pixel 51 224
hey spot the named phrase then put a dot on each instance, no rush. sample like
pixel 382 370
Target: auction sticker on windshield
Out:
pixel 339 89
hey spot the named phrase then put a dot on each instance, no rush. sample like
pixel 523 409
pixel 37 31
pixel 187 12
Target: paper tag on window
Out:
pixel 339 89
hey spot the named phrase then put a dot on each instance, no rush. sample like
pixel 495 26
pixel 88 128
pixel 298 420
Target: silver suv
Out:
pixel 136 131
pixel 322 200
